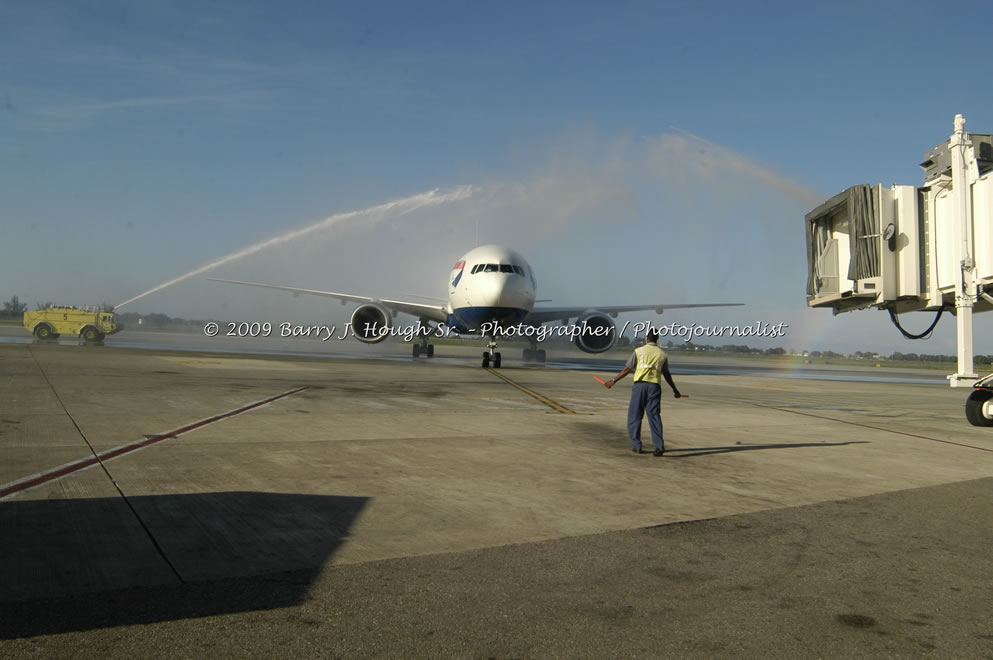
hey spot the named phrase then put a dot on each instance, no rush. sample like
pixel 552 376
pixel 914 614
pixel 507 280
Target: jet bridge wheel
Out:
pixel 979 408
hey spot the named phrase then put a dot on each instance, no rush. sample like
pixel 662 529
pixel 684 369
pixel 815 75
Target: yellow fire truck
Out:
pixel 91 323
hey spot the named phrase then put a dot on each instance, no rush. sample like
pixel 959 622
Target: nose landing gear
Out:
pixel 491 355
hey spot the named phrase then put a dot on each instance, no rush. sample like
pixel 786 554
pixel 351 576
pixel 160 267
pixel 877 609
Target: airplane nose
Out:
pixel 499 291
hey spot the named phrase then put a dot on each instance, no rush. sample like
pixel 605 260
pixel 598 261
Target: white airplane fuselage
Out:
pixel 490 284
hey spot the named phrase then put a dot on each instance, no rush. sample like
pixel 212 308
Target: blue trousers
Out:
pixel 645 397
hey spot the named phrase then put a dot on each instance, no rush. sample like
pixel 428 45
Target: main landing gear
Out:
pixel 422 347
pixel 534 355
pixel 491 355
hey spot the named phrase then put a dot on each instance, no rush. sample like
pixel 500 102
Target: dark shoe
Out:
pixel 659 452
pixel 639 450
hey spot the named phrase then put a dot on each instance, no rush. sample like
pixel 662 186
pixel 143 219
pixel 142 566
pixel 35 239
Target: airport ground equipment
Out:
pixel 906 248
pixel 979 405
pixel 91 324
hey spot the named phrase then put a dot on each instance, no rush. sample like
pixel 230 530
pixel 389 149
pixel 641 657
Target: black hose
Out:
pixel 924 335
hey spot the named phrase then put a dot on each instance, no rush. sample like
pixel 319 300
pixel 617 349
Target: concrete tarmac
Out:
pixel 264 505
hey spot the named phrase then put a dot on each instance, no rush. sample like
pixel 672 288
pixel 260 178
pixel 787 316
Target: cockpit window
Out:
pixel 497 268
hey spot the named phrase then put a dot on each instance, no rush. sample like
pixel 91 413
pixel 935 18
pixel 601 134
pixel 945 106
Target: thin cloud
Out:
pixel 83 110
pixel 62 114
pixel 172 63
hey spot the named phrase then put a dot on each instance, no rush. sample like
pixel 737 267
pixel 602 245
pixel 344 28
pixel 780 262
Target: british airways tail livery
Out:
pixel 491 289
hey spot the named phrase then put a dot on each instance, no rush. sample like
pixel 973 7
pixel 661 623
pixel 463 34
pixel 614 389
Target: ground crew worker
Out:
pixel 650 365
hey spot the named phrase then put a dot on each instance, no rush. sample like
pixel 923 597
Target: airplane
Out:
pixel 491 289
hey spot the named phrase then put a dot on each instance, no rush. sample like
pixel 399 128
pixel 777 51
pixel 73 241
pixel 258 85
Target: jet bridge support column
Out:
pixel 965 290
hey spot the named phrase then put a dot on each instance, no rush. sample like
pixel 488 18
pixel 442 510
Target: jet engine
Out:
pixel 597 333
pixel 371 323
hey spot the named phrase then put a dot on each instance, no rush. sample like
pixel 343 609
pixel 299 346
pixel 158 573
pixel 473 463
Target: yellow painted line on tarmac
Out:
pixel 557 407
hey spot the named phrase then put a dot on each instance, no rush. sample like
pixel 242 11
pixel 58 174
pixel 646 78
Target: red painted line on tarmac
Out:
pixel 59 472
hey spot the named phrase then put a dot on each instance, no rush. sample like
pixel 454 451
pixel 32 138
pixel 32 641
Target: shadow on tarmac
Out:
pixel 706 451
pixel 75 565
pixel 608 436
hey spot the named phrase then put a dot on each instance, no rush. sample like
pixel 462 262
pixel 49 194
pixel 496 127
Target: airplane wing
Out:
pixel 431 312
pixel 541 315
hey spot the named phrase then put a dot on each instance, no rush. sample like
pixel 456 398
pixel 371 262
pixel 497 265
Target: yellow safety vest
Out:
pixel 649 368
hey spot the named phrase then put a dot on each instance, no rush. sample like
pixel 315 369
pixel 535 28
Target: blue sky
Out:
pixel 665 151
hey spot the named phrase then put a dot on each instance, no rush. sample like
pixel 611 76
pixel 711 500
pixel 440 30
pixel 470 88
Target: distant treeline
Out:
pixel 13 309
pixel 158 322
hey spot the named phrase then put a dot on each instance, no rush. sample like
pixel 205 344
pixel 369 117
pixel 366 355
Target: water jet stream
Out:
pixel 371 215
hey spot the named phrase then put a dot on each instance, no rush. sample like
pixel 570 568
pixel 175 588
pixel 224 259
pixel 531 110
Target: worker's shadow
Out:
pixel 689 452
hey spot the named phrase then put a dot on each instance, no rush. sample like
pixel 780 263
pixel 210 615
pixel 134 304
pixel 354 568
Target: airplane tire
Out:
pixel 974 408
pixel 540 356
pixel 417 350
pixel 496 360
pixel 486 360
pixel 430 350
pixel 530 355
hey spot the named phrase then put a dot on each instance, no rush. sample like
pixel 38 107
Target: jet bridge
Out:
pixel 864 250
pixel 904 248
